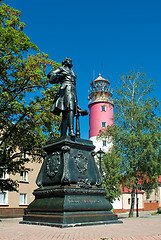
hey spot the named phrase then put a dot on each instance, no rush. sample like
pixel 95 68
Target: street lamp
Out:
pixel 100 153
pixel 137 203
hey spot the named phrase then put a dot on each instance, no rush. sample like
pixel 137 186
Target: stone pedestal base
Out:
pixel 68 207
pixel 70 191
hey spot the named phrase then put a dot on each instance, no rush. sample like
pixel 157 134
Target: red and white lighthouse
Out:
pixel 100 111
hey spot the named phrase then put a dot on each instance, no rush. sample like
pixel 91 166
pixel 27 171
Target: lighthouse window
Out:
pixel 103 124
pixel 104 143
pixel 103 108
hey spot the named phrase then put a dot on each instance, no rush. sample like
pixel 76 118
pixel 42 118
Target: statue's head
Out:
pixel 67 62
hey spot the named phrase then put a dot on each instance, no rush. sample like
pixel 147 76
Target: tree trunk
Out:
pixel 131 213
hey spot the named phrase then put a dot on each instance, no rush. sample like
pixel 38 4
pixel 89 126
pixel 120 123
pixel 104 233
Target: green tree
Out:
pixel 25 97
pixel 136 133
pixel 111 173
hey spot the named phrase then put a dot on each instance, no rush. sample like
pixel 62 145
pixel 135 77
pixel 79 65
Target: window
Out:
pixel 104 143
pixel 3 173
pixel 24 155
pixel 103 124
pixel 24 176
pixel 23 199
pixel 3 198
pixel 103 108
pixel 129 201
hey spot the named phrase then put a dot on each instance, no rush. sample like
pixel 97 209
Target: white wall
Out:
pixel 159 190
pixel 127 205
pixel 99 144
pixel 117 204
pixel 123 202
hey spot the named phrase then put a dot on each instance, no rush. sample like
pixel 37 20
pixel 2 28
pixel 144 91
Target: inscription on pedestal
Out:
pixel 83 200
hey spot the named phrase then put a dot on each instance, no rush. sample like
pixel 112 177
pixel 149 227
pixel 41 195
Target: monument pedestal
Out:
pixel 70 191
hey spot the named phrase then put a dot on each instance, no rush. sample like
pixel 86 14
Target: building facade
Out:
pixel 123 204
pixel 12 204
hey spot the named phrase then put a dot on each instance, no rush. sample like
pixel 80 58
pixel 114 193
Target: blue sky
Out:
pixel 107 37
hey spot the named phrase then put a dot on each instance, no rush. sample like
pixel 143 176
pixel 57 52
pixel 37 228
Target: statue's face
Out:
pixel 68 62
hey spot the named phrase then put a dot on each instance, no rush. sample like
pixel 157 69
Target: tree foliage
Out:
pixel 25 97
pixel 137 132
pixel 111 173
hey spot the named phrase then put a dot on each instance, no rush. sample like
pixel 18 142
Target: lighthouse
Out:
pixel 100 111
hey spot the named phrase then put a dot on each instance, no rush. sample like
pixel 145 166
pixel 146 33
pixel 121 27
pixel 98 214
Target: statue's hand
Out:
pixel 82 112
pixel 54 76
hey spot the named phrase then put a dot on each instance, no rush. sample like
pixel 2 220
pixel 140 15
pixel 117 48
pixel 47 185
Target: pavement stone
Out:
pixel 146 227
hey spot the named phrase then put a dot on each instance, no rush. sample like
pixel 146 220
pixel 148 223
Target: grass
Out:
pixel 158 212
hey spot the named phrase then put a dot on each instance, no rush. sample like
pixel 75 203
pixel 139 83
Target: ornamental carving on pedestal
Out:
pixel 81 162
pixel 84 183
pixel 53 163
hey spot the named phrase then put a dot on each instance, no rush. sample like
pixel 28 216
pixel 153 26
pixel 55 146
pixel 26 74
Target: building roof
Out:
pixel 159 179
pixel 100 78
pixel 147 180
pixel 126 190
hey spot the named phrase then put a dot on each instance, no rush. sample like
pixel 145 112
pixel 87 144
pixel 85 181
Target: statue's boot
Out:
pixel 63 126
pixel 71 124
pixel 71 133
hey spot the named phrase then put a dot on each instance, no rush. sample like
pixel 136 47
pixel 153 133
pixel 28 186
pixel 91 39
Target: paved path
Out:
pixel 145 227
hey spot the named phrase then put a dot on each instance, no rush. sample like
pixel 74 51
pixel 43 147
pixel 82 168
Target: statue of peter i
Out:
pixel 66 99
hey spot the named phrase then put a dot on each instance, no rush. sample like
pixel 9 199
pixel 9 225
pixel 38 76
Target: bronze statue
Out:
pixel 69 183
pixel 66 99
